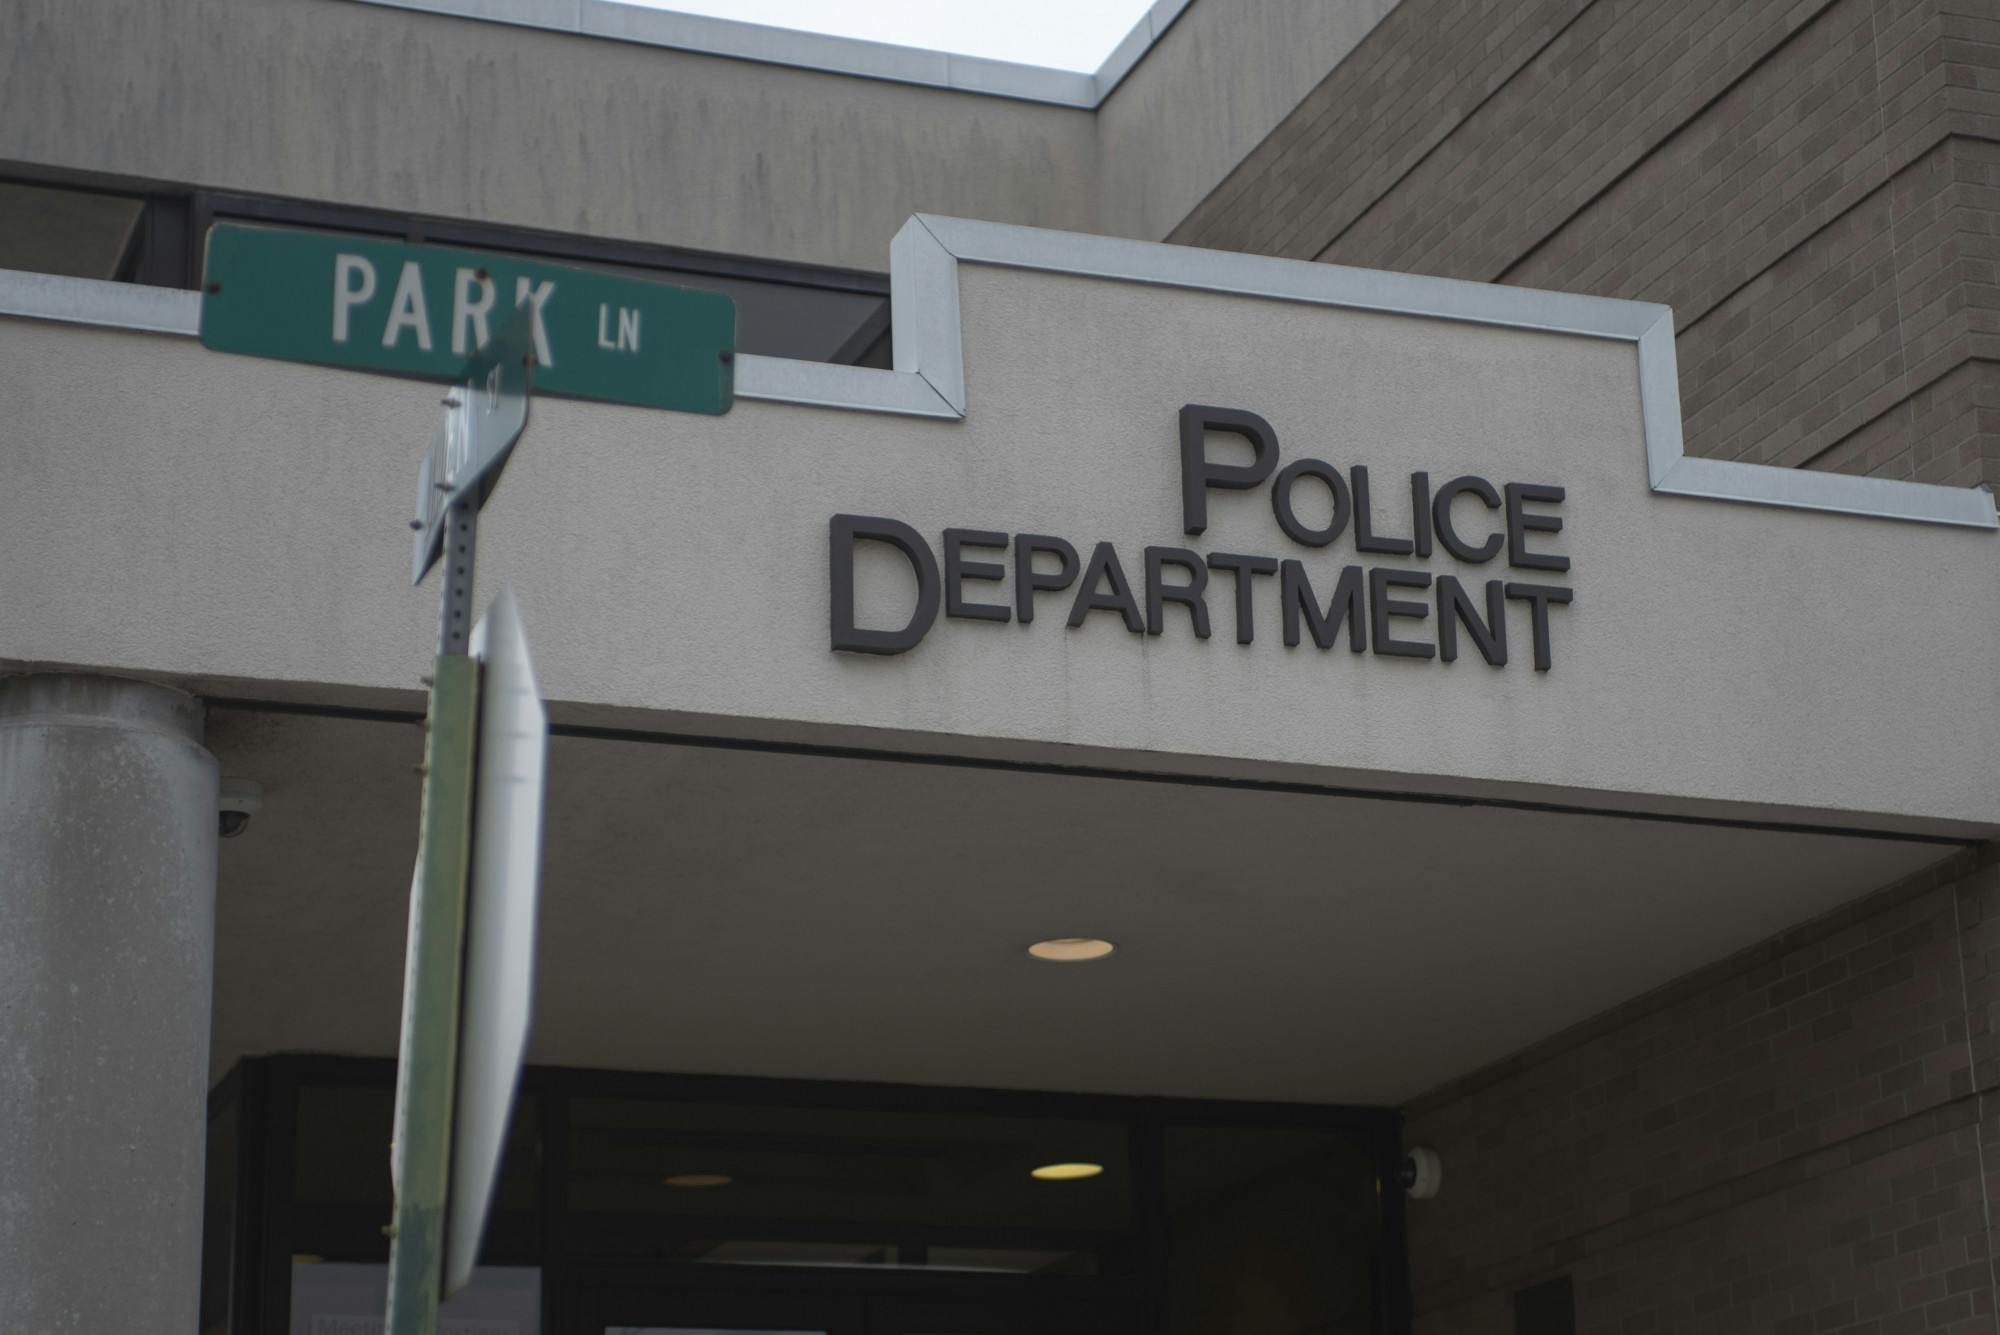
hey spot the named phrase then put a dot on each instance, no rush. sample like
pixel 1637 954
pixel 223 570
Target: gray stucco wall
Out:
pixel 438 115
pixel 430 114
pixel 1224 76
pixel 221 518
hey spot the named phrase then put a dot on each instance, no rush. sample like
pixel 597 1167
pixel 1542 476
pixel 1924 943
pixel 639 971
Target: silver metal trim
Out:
pixel 824 385
pixel 927 334
pixel 851 56
pixel 1305 281
pixel 1833 493
pixel 929 379
pixel 1128 53
pixel 1660 399
pixel 94 301
pixel 936 349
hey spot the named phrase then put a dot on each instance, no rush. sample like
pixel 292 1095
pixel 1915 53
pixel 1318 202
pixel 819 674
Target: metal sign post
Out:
pixel 483 419
pixel 426 1068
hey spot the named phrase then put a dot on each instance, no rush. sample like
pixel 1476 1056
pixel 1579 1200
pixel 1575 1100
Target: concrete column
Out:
pixel 107 944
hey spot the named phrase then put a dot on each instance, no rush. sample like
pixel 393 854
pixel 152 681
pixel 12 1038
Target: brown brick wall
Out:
pixel 1794 1140
pixel 1813 185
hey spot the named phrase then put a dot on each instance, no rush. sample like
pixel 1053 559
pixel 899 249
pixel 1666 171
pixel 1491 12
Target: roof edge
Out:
pixel 855 57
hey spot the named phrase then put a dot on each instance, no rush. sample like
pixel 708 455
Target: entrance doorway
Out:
pixel 635 1204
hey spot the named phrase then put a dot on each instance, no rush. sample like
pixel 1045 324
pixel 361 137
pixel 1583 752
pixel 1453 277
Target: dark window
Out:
pixel 126 236
pixel 218 1215
pixel 722 1184
pixel 1270 1232
pixel 81 233
pixel 798 311
pixel 140 234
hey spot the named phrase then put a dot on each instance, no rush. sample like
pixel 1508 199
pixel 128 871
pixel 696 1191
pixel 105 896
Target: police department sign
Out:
pixel 1395 610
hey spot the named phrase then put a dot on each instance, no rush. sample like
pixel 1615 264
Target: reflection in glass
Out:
pixel 842 1187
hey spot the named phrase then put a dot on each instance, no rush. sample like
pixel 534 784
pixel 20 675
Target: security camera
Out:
pixel 1421 1173
pixel 240 801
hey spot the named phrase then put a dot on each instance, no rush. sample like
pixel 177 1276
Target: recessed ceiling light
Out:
pixel 1066 1172
pixel 1071 949
pixel 691 1180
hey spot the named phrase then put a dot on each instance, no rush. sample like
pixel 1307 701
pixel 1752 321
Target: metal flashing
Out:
pixel 98 301
pixel 824 385
pixel 1648 326
pixel 927 335
pixel 1128 53
pixel 736 40
pixel 929 375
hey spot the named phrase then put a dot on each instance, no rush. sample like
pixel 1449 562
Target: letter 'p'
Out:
pixel 1198 474
pixel 353 285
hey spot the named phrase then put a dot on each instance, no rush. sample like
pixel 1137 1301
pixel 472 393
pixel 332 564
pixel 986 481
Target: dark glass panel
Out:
pixel 824 1186
pixel 79 233
pixel 1269 1233
pixel 218 1217
pixel 343 1197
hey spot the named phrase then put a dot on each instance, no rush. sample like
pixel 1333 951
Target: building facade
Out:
pixel 1493 620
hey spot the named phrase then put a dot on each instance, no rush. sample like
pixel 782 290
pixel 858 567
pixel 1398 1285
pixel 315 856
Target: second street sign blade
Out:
pixel 423 311
pixel 482 420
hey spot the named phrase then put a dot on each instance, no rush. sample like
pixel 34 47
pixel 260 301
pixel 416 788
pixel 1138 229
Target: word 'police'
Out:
pixel 1374 606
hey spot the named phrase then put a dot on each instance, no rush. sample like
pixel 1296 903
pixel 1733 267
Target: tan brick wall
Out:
pixel 1800 1139
pixel 1813 185
pixel 1796 1140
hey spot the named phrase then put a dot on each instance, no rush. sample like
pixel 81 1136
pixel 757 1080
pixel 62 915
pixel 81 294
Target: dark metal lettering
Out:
pixel 1288 520
pixel 1029 581
pixel 1104 565
pixel 957 570
pixel 1455 607
pixel 1447 534
pixel 1188 595
pixel 1246 570
pixel 1519 522
pixel 1381 607
pixel 843 531
pixel 1198 474
pixel 1420 513
pixel 1538 597
pixel 1296 596
pixel 1364 521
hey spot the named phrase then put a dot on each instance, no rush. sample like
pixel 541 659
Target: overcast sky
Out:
pixel 1062 34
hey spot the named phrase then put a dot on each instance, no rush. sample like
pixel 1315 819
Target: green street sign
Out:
pixel 424 311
